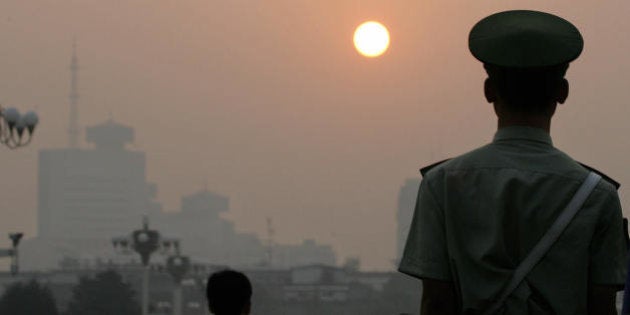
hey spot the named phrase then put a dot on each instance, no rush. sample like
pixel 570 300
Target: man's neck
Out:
pixel 532 121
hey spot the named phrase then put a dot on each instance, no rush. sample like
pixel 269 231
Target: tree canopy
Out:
pixel 105 294
pixel 28 299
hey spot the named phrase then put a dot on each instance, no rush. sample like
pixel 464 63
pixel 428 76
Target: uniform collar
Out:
pixel 522 133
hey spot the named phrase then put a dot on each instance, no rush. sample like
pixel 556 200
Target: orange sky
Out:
pixel 269 102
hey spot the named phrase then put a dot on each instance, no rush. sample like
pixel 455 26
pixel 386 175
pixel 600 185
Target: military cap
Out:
pixel 525 39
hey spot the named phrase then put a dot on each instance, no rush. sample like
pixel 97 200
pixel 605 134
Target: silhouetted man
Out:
pixel 479 237
pixel 229 292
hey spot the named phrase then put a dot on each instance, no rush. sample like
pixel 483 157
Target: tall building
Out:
pixel 86 196
pixel 406 205
pixel 93 193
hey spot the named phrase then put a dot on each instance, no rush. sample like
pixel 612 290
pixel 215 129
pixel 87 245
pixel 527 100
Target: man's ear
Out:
pixel 248 308
pixel 489 91
pixel 563 91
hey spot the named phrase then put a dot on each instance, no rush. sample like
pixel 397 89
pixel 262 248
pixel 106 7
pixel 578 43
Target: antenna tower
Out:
pixel 73 97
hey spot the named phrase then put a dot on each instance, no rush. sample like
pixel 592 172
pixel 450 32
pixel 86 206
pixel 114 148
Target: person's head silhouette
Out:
pixel 526 55
pixel 229 292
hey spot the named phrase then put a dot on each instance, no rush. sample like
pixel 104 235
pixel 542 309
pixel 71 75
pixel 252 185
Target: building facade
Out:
pixel 88 195
pixel 93 193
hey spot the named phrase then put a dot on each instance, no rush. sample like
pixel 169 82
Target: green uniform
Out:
pixel 478 215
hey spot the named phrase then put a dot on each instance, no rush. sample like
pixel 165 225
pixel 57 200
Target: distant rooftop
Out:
pixel 110 135
pixel 205 201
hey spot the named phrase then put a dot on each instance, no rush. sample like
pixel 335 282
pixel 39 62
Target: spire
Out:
pixel 73 97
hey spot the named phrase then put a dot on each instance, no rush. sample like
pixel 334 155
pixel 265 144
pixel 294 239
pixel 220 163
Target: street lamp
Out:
pixel 13 251
pixel 145 242
pixel 177 266
pixel 13 125
pixel 15 241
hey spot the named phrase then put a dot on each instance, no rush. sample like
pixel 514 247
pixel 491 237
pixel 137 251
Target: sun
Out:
pixel 371 39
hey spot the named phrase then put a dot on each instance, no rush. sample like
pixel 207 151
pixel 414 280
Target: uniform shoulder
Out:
pixel 474 158
pixel 424 170
pixel 611 181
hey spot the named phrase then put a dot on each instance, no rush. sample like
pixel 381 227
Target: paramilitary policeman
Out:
pixel 482 235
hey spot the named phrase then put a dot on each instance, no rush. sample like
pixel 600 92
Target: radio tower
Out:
pixel 73 97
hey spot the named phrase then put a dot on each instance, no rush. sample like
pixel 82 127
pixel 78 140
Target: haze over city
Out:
pixel 269 103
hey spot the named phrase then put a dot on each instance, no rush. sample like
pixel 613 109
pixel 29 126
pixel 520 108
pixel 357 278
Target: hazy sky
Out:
pixel 270 104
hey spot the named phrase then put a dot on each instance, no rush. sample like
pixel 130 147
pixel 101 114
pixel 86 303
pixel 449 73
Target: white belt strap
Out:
pixel 545 243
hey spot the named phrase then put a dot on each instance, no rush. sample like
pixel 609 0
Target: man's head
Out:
pixel 526 91
pixel 526 55
pixel 229 292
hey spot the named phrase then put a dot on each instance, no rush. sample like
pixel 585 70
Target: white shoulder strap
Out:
pixel 545 243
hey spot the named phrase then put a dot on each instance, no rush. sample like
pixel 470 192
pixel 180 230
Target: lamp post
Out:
pixel 13 125
pixel 145 242
pixel 13 252
pixel 177 266
pixel 15 241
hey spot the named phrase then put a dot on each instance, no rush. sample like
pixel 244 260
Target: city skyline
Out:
pixel 89 196
pixel 270 104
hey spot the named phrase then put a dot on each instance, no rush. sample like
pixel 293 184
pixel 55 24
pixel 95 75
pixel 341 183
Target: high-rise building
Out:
pixel 406 205
pixel 86 196
pixel 93 193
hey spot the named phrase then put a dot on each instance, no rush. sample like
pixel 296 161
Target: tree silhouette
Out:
pixel 105 294
pixel 27 299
